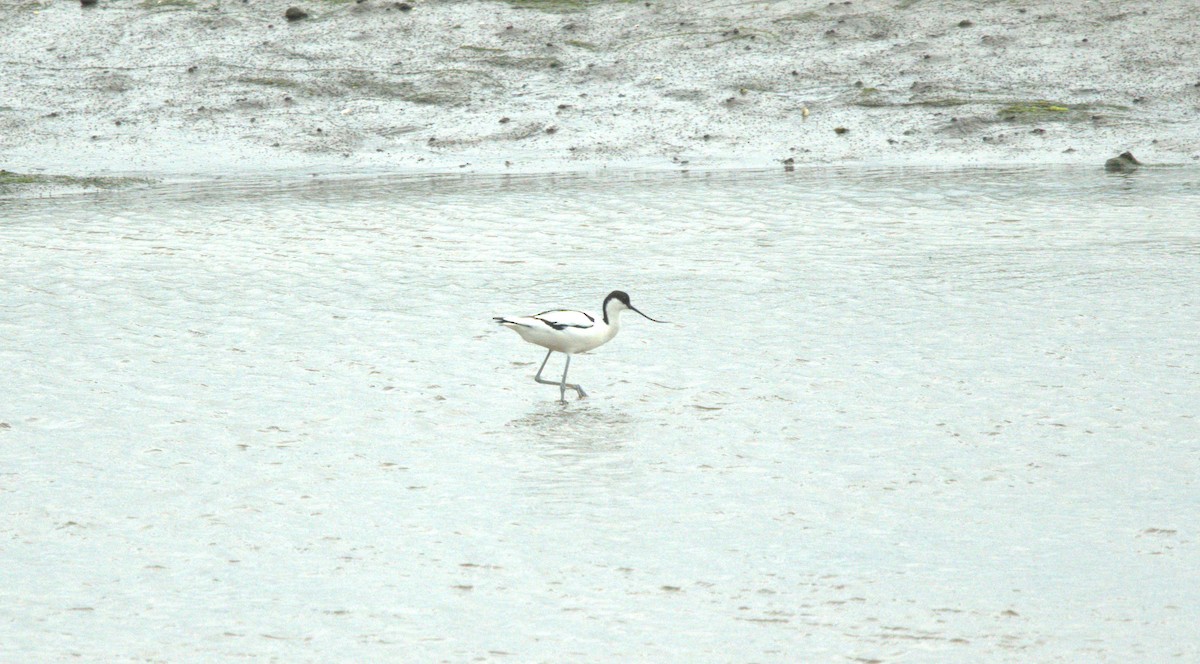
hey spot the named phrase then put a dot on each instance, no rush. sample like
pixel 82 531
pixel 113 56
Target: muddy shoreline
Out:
pixel 182 87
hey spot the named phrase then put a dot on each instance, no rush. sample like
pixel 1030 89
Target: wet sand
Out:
pixel 176 87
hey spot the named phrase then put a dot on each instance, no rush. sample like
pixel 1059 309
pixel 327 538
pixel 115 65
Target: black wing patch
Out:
pixel 562 326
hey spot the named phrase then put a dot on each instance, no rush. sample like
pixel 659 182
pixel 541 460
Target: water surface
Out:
pixel 899 416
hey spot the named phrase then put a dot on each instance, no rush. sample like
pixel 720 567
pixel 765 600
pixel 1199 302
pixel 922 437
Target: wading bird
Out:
pixel 569 332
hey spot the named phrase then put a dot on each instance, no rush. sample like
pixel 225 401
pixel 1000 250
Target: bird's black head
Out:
pixel 623 298
pixel 618 295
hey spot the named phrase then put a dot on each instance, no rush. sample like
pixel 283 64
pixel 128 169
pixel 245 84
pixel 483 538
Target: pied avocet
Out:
pixel 569 332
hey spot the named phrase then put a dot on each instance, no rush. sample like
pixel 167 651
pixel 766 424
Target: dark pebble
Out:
pixel 840 130
pixel 295 14
pixel 403 6
pixel 965 23
pixel 1122 163
pixel 88 3
pixel 551 129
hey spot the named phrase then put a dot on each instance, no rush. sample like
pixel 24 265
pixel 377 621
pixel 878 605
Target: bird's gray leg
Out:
pixel 562 388
pixel 562 384
pixel 538 377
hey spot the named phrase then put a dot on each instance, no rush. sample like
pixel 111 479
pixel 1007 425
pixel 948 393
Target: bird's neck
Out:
pixel 612 315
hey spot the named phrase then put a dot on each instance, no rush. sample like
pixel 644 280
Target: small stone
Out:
pixel 840 130
pixel 1122 163
pixel 965 23
pixel 403 6
pixel 505 120
pixel 88 3
pixel 789 164
pixel 295 14
pixel 551 129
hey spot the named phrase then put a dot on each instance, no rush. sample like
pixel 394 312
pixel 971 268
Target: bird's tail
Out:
pixel 501 320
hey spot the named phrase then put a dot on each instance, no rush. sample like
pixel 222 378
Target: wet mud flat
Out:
pixel 202 86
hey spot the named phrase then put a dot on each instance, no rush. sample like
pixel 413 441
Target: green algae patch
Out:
pixel 166 4
pixel 559 6
pixel 20 183
pixel 480 49
pixel 1034 110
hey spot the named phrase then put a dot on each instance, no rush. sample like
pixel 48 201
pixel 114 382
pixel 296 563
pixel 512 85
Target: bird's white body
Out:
pixel 570 332
pixel 565 330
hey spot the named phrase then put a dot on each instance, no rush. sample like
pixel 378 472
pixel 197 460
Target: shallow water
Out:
pixel 899 416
